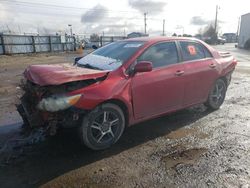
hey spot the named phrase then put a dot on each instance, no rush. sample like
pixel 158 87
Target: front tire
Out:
pixel 217 95
pixel 102 127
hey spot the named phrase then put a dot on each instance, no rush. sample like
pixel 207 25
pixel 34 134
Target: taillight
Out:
pixel 235 62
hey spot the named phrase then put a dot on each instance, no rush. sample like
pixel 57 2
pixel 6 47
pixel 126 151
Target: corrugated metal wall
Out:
pixel 108 39
pixel 15 44
pixel 1 46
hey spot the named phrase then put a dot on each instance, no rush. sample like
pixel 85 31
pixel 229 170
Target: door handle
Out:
pixel 179 73
pixel 212 65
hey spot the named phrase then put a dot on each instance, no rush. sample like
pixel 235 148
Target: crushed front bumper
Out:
pixel 32 119
pixel 69 118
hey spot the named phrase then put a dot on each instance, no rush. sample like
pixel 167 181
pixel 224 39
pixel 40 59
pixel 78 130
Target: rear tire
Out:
pixel 21 111
pixel 102 127
pixel 216 95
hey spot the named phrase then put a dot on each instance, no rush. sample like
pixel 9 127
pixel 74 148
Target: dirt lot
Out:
pixel 191 148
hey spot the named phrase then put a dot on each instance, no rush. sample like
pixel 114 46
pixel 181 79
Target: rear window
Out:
pixel 193 51
pixel 207 53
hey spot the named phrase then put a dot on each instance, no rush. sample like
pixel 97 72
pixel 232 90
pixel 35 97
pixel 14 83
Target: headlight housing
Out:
pixel 56 103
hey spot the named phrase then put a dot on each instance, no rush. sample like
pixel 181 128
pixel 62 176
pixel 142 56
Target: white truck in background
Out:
pixel 244 35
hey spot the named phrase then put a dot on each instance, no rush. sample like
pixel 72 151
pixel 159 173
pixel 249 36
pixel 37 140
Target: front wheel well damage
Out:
pixel 122 105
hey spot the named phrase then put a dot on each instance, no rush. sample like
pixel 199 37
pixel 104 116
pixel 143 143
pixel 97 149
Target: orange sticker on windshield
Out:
pixel 192 50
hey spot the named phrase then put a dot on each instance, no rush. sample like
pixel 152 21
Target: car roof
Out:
pixel 159 39
pixel 153 40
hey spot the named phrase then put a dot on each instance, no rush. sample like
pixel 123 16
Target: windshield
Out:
pixel 111 56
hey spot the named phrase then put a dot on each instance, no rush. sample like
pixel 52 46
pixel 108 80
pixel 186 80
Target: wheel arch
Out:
pixel 123 107
pixel 226 78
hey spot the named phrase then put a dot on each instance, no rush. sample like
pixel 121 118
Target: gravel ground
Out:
pixel 191 148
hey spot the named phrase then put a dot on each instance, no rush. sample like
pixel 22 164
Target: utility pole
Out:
pixel 238 28
pixel 145 23
pixel 163 28
pixel 216 19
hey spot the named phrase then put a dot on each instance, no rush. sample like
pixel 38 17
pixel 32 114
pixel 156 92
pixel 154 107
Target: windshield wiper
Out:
pixel 88 66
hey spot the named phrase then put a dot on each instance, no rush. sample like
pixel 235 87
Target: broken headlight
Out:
pixel 56 103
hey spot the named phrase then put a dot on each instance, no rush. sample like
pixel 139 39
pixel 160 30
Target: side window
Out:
pixel 161 54
pixel 192 50
pixel 207 53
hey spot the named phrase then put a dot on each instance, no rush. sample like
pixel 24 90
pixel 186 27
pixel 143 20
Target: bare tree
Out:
pixel 94 37
pixel 209 31
pixel 210 34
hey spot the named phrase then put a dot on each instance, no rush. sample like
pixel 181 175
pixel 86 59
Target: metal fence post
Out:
pixel 63 46
pixel 33 44
pixel 74 49
pixel 101 40
pixel 2 43
pixel 50 44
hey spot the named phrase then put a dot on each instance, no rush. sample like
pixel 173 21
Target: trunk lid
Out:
pixel 224 54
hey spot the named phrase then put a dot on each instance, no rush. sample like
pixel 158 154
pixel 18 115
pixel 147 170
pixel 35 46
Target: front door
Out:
pixel 162 89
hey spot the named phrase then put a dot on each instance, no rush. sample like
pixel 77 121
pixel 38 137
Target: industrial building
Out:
pixel 137 34
pixel 244 36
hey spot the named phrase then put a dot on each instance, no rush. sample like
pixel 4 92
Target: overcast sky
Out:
pixel 116 17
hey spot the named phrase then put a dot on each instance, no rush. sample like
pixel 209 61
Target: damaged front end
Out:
pixel 49 106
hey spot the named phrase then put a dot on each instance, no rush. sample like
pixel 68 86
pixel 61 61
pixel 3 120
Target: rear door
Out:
pixel 162 89
pixel 200 71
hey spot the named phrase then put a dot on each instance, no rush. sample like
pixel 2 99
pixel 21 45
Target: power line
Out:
pixel 78 15
pixel 75 9
pixel 25 3
pixel 75 15
pixel 104 21
pixel 31 4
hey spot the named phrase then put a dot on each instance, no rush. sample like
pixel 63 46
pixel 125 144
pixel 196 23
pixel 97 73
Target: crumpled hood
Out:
pixel 60 73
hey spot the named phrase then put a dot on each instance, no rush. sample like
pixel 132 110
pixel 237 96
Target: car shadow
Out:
pixel 54 157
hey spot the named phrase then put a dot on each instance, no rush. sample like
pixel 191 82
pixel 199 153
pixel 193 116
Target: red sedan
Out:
pixel 124 83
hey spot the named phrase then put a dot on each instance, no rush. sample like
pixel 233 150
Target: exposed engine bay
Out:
pixel 34 115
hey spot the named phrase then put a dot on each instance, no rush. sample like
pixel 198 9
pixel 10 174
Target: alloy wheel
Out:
pixel 218 93
pixel 105 126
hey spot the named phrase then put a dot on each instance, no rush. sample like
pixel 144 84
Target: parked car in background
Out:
pixel 214 40
pixel 221 40
pixel 86 43
pixel 124 83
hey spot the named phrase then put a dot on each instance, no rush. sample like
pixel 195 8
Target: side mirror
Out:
pixel 143 66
